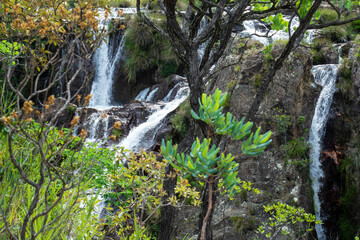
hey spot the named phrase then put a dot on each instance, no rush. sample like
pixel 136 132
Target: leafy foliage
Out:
pixel 206 162
pixel 204 159
pixel 147 49
pixel 135 192
pixel 284 215
pixel 48 198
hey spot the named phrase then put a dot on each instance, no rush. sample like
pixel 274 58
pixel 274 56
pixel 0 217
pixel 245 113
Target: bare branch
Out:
pixel 333 23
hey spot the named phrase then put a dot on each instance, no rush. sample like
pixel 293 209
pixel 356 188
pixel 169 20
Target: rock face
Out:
pixel 341 150
pixel 99 123
pixel 291 96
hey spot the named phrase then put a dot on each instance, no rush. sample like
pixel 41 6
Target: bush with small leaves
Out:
pixel 284 216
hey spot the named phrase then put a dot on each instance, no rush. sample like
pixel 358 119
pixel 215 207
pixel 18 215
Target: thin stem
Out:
pixel 210 206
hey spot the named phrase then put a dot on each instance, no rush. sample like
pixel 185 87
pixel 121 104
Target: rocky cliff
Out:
pixel 287 110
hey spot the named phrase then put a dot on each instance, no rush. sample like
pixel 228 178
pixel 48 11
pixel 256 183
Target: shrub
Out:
pixel 180 121
pixel 136 191
pixel 206 163
pixel 327 15
pixel 283 216
pixel 296 148
pixel 337 34
pixel 168 68
pixel 48 185
pixel 318 57
pixel 356 26
pixel 147 49
pixel 345 82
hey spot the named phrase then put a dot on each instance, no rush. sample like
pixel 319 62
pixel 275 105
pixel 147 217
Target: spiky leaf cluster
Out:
pixel 211 112
pixel 206 160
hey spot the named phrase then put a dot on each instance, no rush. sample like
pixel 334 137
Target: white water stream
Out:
pixel 325 75
pixel 104 74
pixel 260 31
pixel 143 136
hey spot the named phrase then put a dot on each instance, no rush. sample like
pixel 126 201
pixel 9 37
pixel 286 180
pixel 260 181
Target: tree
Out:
pixel 221 16
pixel 207 164
pixel 45 172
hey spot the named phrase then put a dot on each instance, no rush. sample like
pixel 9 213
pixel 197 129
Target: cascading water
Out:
pixel 325 75
pixel 97 123
pixel 143 136
pixel 143 94
pixel 104 74
pixel 151 95
pixel 261 32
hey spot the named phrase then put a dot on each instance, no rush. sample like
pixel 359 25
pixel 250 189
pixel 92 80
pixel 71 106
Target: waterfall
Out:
pixel 143 136
pixel 97 124
pixel 325 75
pixel 167 97
pixel 147 95
pixel 104 74
pixel 151 95
pixel 261 32
pixel 142 95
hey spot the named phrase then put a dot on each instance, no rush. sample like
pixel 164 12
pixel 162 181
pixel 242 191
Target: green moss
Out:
pixel 243 195
pixel 356 26
pixel 348 227
pixel 231 85
pixel 70 108
pixel 117 133
pixel 349 222
pixel 318 57
pixel 336 34
pixel 257 80
pixel 168 68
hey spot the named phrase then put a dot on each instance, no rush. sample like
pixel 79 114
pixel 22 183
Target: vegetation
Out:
pixel 51 180
pixel 282 217
pixel 283 121
pixel 146 50
pixel 206 163
pixel 136 192
pixel 345 82
pixel 296 148
pixel 41 196
pixel 349 168
pixel 181 121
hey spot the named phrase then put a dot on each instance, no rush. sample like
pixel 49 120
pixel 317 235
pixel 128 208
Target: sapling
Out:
pixel 210 164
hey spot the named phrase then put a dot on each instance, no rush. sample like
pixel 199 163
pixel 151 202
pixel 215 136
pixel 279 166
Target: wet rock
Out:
pixel 102 121
pixel 331 55
pixel 238 28
pixel 167 85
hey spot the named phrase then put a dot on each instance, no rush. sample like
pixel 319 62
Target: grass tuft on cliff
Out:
pixel 147 49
